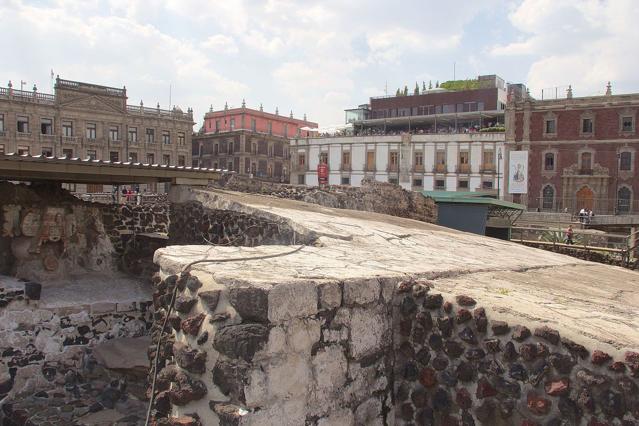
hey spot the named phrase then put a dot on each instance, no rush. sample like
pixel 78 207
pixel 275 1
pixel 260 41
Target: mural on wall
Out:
pixel 518 172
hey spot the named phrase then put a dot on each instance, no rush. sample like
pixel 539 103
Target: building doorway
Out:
pixel 585 198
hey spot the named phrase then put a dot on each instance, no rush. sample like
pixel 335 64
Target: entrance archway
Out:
pixel 585 198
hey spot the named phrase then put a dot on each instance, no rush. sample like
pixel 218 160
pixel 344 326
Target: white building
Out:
pixel 447 162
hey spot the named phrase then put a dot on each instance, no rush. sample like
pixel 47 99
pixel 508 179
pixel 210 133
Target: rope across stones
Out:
pixel 185 389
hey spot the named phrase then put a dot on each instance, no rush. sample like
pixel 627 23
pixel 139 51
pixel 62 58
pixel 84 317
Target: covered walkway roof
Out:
pixel 496 208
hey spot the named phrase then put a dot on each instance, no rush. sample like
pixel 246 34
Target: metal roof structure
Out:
pixel 496 208
pixel 76 170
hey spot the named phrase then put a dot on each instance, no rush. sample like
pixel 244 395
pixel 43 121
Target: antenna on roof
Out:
pixel 454 71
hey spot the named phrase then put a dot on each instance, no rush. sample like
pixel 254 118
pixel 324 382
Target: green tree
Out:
pixel 405 90
pixel 397 93
pixel 423 86
pixel 437 84
pixel 416 91
pixel 430 84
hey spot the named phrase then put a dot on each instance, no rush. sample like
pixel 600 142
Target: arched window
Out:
pixel 549 161
pixel 548 197
pixel 625 161
pixel 624 196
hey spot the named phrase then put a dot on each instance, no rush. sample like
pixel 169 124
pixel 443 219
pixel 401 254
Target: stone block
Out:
pixel 369 412
pixel 302 334
pixel 330 369
pixel 342 417
pixel 241 341
pixel 103 308
pixel 330 295
pixel 292 300
pixel 210 299
pixel 250 302
pixel 126 307
pixel 289 378
pixel 361 291
pixel 370 332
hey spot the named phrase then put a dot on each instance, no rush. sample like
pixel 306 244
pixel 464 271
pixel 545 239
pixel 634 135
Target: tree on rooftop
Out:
pixel 405 90
pixel 416 91
pixel 430 84
pixel 397 93
pixel 423 86
pixel 437 84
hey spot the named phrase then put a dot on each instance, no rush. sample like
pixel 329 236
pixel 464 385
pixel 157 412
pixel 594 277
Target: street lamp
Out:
pixel 498 173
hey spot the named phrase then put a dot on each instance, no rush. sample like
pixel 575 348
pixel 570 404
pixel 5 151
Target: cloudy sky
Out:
pixel 312 56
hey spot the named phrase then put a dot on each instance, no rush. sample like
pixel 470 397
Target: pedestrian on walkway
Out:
pixel 569 234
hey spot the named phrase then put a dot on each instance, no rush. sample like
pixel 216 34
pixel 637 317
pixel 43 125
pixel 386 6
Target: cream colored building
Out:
pixel 89 121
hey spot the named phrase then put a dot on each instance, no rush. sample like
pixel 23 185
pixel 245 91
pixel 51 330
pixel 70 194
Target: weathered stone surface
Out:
pixel 184 304
pixel 485 412
pixel 330 295
pixel 192 324
pixel 368 412
pixel 492 345
pixel 521 333
pixel 548 334
pixel 229 414
pixel 599 357
pixel 440 362
pixel 463 315
pixel 538 405
pixel 463 399
pixel 361 292
pixel 250 302
pixel 241 341
pixel 433 301
pixel 369 332
pixel 428 377
pixel 453 348
pixel 230 376
pixel 569 410
pixel 292 300
pixel 562 363
pixel 210 299
pixel 558 387
pixel 465 300
pixel 186 389
pixel 575 349
pixel 192 360
pixel 440 400
pixel 184 421
pixel 468 336
pixel 499 328
pixel 485 389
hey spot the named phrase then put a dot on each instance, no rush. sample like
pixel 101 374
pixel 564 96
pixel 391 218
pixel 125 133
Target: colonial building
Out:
pixel 449 139
pixel 90 121
pixel 248 141
pixel 582 151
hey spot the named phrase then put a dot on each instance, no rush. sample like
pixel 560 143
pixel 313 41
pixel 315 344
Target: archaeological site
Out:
pixel 247 303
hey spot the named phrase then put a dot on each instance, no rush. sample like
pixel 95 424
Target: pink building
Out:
pixel 249 141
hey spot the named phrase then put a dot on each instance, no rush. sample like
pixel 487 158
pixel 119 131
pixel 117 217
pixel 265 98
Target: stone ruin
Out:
pixel 295 313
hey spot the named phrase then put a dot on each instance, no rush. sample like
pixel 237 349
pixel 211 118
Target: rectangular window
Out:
pixel 1 123
pixel 253 125
pixel 150 135
pixel 133 157
pixel 323 158
pixel 440 157
pixel 419 159
pixel 301 179
pixel 301 159
pixel 217 126
pixel 627 124
pixel 150 159
pixel 181 160
pixel 23 150
pixel 270 128
pixel 463 157
pixel 625 161
pixel 346 160
pixel 91 131
pixel 166 138
pixel 114 156
pixel 1 149
pixel 67 152
pixel 394 158
pixel 440 184
pixel 551 126
pixel 418 182
pixel 47 151
pixel 133 134
pixel 232 124
pixel 114 133
pixel 487 184
pixel 370 161
pixel 92 154
pixel 586 125
pixel 489 159
pixel 166 159
pixel 46 126
pixel 393 180
pixel 23 124
pixel 549 161
pixel 346 180
pixel 67 128
pixel 181 139
pixel 229 166
pixel 462 184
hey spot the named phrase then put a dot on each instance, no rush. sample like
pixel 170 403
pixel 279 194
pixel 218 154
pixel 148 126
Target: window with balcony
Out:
pixel 166 138
pixel 114 156
pixel 489 161
pixel 133 157
pixel 549 161
pixel 47 151
pixel 67 129
pixel 464 162
pixel 92 154
pixel 393 162
pixel 624 198
pixel 166 159
pixel 181 160
pixel 91 131
pixel 181 139
pixel 323 159
pixel 114 133
pixel 586 125
pixel 627 123
pixel 133 134
pixel 370 161
pixel 346 160
pixel 419 160
pixel 150 158
pixel 67 153
pixel 23 124
pixel 23 150
pixel 46 126
pixel 550 126
pixel 150 135
pixel 625 161
pixel 440 184
pixel 440 161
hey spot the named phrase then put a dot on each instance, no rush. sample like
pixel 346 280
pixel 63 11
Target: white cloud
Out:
pixel 220 43
pixel 391 44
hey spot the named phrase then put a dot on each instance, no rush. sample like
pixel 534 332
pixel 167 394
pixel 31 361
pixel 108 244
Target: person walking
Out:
pixel 569 235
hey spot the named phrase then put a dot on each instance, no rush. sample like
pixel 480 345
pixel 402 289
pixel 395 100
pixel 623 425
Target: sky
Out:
pixel 315 57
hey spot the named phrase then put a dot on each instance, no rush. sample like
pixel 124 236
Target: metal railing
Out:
pixel 26 96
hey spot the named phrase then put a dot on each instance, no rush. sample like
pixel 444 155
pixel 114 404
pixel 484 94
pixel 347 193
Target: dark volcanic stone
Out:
pixel 499 328
pixel 617 367
pixel 506 408
pixel 521 333
pixel 453 348
pixel 203 338
pixel 600 357
pixel 575 349
pixel 440 362
pixel 510 353
pixel 419 396
pixel 485 389
pixel 447 378
pixel 435 342
pixel 445 325
pixel 463 399
pixel 229 414
pixel 538 405
pixel 585 399
pixel 423 356
pixel 570 410
pixel 428 377
pixel 548 334
pixel 528 351
pixel 407 350
pixel 410 371
pixel 406 411
pixel 465 372
pixel 485 412
pixel 518 372
pixel 481 321
pixel 506 387
pixel 468 336
pixel 408 306
pixel 192 325
pixel 241 341
pixel 210 299
pixel 448 307
pixel 433 301
pixel 192 360
pixel 467 419
pixel 562 363
pixel 465 301
pixel 419 335
pixel 475 354
pixel 174 321
pixel 491 367
pixel 230 377
pixel 425 320
pixel 463 315
pixel 589 378
pixel 612 404
pixel 193 283
pixel 492 345
pixel 184 304
pixel 440 400
pixel 538 371
pixel 425 417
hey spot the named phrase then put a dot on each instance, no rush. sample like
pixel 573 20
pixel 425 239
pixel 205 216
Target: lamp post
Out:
pixel 498 173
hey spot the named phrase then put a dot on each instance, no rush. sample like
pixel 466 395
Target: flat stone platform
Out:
pixel 594 304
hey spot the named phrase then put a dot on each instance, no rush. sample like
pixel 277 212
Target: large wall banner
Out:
pixel 518 172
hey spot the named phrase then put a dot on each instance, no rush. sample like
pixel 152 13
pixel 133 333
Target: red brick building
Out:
pixel 248 141
pixel 582 152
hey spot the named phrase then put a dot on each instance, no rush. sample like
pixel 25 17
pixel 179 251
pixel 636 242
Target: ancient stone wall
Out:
pixel 372 352
pixel 192 223
pixel 372 196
